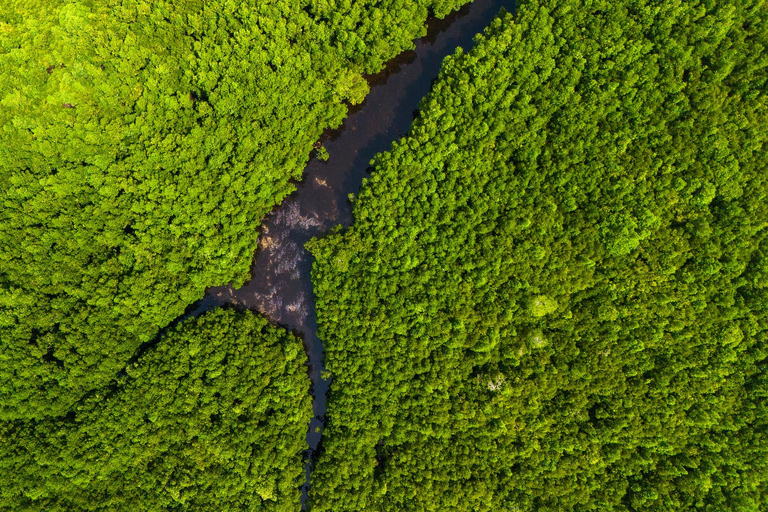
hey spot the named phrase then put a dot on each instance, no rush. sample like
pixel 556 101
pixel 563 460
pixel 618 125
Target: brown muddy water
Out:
pixel 281 287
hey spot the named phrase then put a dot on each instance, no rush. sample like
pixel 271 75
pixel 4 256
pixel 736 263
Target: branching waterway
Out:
pixel 280 285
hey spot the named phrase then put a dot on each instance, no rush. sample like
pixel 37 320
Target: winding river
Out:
pixel 280 285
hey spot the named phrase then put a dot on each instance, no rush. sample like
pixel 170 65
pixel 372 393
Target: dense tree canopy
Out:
pixel 212 418
pixel 141 143
pixel 554 294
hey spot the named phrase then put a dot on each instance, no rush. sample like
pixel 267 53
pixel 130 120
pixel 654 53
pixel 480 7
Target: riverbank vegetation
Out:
pixel 142 143
pixel 554 295
pixel 212 418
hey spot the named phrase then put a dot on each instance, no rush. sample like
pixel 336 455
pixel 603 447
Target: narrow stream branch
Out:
pixel 281 287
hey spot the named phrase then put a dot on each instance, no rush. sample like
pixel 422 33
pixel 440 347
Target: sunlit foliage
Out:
pixel 554 294
pixel 142 141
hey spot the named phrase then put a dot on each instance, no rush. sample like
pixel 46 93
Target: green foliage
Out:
pixel 541 305
pixel 212 418
pixel 369 32
pixel 141 143
pixel 554 293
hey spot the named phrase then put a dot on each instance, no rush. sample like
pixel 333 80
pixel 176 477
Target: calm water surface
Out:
pixel 280 285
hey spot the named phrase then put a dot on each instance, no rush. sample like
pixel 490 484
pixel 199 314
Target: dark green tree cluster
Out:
pixel 142 141
pixel 212 418
pixel 554 295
